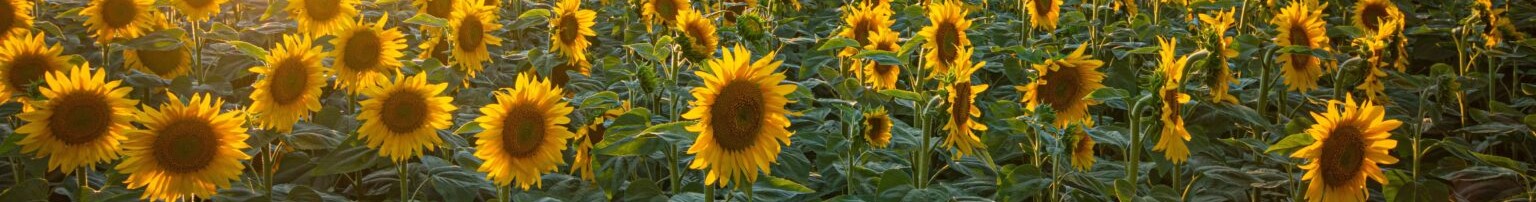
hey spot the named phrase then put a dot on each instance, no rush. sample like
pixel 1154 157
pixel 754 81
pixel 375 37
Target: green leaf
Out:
pixel 347 160
pixel 303 193
pixel 249 49
pixel 645 50
pixel 777 183
pixel 1144 50
pixel 455 183
pixel 428 20
pixel 1109 93
pixel 313 140
pixel 1290 144
pixel 535 13
pixel 273 9
pixel 879 56
pixel 838 43
pixel 1124 190
pixel 36 190
pixel 469 128
pixel 902 94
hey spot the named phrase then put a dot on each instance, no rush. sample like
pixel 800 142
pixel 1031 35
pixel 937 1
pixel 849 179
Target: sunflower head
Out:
pixel 1082 150
pixel 322 17
pixel 1173 133
pixel 663 11
pixel 963 113
pixel 1064 84
pixel 436 8
pixel 82 121
pixel 1043 14
pixel 365 54
pixel 186 149
pixel 877 127
pixel 470 30
pixel 24 61
pixel 1301 25
pixel 569 29
pixel 168 62
pixel 1351 140
pixel 698 35
pixel 590 135
pixel 945 36
pixel 401 117
pixel 198 10
pixel 741 117
pixel 290 86
pixel 524 133
pixel 115 19
pixel 1371 15
pixel 881 76
pixel 1217 24
pixel 15 17
pixel 862 23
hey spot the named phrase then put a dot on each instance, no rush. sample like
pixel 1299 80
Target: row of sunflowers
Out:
pixel 783 100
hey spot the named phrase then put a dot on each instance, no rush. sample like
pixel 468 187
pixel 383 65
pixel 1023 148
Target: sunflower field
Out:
pixel 767 100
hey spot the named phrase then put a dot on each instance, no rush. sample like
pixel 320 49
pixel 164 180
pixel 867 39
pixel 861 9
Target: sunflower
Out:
pixel 1376 46
pixel 322 17
pixel 1173 133
pixel 570 28
pixel 401 117
pixel 1301 25
pixel 699 41
pixel 187 149
pixel 1350 145
pixel 168 63
pixel 590 135
pixel 289 88
pixel 863 23
pixel 524 132
pixel 1218 24
pixel 198 10
pixel 114 19
pixel 877 127
pixel 365 54
pixel 741 117
pixel 82 121
pixel 1065 84
pixel 1043 14
pixel 663 11
pixel 962 107
pixel 1371 14
pixel 945 36
pixel 434 47
pixel 436 8
pixel 879 76
pixel 25 60
pixel 558 75
pixel 19 19
pixel 470 28
pixel 1082 150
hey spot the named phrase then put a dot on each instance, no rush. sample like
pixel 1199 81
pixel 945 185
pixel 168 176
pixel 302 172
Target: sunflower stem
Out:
pixel 405 180
pixel 1133 167
pixel 85 184
pixel 709 193
pixel 677 174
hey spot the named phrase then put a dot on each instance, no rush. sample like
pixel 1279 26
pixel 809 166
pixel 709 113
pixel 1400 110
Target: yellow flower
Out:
pixel 877 128
pixel 862 23
pixel 945 35
pixel 741 117
pixel 879 76
pixel 1350 145
pixel 82 122
pixel 962 108
pixel 1376 46
pixel 401 118
pixel 365 54
pixel 1065 84
pixel 1043 14
pixel 289 88
pixel 198 10
pixel 590 135
pixel 322 17
pixel 698 35
pixel 436 8
pixel 25 60
pixel 524 133
pixel 1082 151
pixel 1301 25
pixel 1371 14
pixel 662 11
pixel 1173 134
pixel 470 31
pixel 20 19
pixel 1218 24
pixel 186 149
pixel 569 29
pixel 114 19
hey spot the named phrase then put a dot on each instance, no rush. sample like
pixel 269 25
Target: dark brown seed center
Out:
pixel 960 111
pixel 1343 154
pixel 118 13
pixel 163 61
pixel 322 10
pixel 404 111
pixel 471 33
pixel 363 51
pixel 80 117
pixel 186 145
pixel 523 130
pixel 737 115
pixel 289 79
